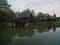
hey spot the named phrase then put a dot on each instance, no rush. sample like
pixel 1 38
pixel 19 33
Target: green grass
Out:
pixel 57 23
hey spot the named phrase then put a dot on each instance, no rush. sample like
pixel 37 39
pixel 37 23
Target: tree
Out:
pixel 40 15
pixel 6 14
pixel 4 5
pixel 25 11
pixel 54 17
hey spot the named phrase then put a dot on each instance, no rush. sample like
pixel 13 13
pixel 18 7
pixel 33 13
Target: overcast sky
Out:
pixel 45 6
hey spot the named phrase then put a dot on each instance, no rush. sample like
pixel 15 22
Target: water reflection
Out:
pixel 54 29
pixel 31 36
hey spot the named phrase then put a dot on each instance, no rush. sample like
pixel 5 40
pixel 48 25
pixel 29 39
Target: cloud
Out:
pixel 46 6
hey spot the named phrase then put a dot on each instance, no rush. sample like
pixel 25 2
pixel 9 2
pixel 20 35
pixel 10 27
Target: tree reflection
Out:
pixel 42 28
pixel 9 33
pixel 54 29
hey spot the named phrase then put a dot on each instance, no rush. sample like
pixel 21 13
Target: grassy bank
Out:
pixel 57 23
pixel 42 24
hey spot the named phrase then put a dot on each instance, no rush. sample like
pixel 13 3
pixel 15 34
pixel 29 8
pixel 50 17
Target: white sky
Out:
pixel 45 6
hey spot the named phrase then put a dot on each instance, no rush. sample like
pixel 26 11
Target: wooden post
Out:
pixel 14 25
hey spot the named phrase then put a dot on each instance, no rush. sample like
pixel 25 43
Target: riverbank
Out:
pixel 44 24
pixel 57 23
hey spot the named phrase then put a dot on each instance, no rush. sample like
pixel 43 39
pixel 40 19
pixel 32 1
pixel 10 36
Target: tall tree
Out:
pixel 40 15
pixel 54 17
pixel 25 11
pixel 6 14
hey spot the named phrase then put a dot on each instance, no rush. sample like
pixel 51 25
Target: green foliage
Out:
pixel 3 3
pixel 42 18
pixel 40 15
pixel 25 11
pixel 57 23
pixel 6 14
pixel 54 15
pixel 58 18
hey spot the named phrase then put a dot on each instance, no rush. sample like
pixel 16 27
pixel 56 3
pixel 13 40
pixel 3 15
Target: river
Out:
pixel 30 36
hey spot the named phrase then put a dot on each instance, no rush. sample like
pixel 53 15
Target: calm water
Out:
pixel 30 36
